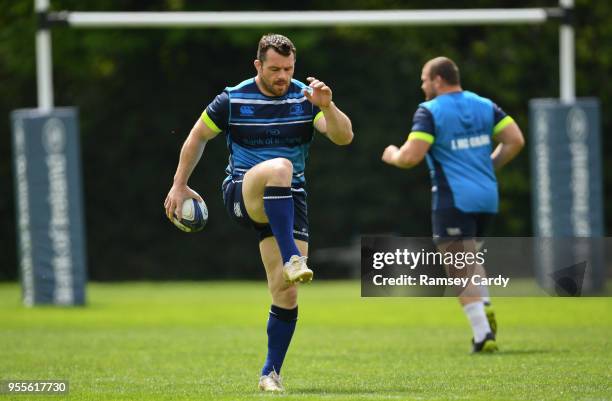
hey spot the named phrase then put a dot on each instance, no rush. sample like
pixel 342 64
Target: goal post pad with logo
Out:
pixel 49 206
pixel 567 189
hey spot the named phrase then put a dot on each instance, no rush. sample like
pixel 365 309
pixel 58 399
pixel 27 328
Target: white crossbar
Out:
pixel 305 18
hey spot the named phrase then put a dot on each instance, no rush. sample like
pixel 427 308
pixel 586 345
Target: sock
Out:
pixel 278 204
pixel 483 289
pixel 484 294
pixel 281 325
pixel 478 320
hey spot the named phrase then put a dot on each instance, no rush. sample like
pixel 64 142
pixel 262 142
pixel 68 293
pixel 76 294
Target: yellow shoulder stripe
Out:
pixel 210 123
pixel 502 124
pixel 423 136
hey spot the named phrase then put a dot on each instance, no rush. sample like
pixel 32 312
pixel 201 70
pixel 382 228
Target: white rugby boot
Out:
pixel 295 270
pixel 271 382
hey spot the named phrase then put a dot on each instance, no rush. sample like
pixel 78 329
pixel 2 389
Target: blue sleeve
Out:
pixel 423 122
pixel 216 115
pixel 500 119
pixel 498 114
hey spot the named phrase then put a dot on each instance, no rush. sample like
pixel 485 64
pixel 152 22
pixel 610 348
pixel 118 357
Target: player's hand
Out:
pixel 321 95
pixel 176 196
pixel 388 154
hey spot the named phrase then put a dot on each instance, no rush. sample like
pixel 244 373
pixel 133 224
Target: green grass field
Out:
pixel 206 341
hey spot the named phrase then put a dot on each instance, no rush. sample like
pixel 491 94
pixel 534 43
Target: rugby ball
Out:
pixel 194 216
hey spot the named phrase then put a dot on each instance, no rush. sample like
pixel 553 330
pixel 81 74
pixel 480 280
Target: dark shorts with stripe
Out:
pixel 234 205
pixel 451 223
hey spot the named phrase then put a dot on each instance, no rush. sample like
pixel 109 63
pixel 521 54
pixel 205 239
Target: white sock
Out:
pixel 478 320
pixel 484 294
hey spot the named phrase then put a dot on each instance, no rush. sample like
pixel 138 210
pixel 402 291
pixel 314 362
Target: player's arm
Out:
pixel 335 125
pixel 331 121
pixel 417 145
pixel 191 152
pixel 411 153
pixel 214 120
pixel 510 141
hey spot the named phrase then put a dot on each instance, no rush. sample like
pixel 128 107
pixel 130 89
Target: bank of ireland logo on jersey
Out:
pixel 247 110
pixel 296 109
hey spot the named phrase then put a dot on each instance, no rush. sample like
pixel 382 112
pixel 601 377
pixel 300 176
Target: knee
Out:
pixel 285 297
pixel 281 170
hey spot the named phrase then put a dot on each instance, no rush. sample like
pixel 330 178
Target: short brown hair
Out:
pixel 281 44
pixel 446 69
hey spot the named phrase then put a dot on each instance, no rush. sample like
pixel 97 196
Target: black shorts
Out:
pixel 452 223
pixel 234 205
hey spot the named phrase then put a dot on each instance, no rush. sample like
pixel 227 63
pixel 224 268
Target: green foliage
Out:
pixel 140 91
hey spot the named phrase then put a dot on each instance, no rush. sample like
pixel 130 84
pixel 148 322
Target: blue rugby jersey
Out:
pixel 260 127
pixel 460 127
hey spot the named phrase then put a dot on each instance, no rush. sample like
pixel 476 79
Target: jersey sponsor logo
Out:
pixel 470 142
pixel 273 131
pixel 247 110
pixel 296 110
pixel 271 141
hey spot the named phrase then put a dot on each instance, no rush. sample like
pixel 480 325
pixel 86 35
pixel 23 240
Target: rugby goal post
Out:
pixel 58 276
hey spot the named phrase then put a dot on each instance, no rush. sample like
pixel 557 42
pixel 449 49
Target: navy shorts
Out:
pixel 234 204
pixel 452 223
